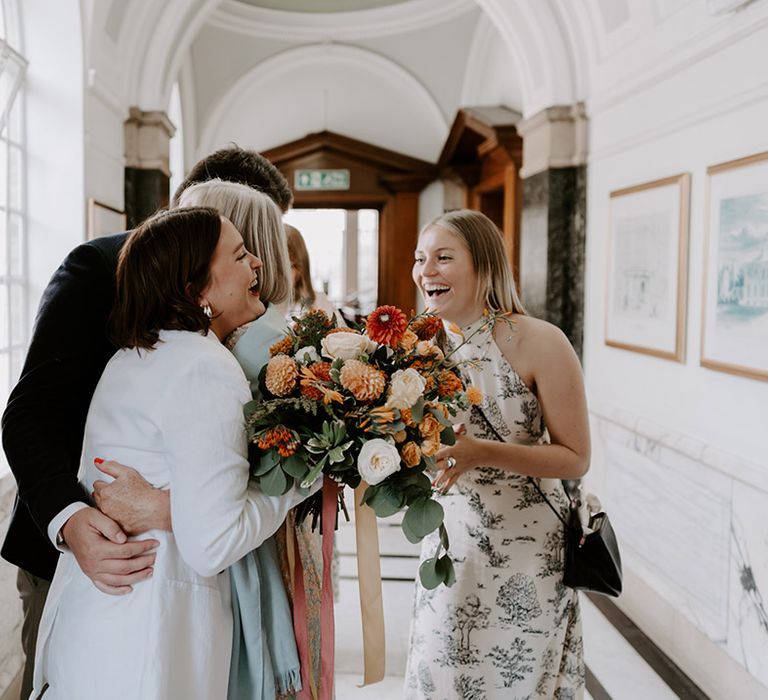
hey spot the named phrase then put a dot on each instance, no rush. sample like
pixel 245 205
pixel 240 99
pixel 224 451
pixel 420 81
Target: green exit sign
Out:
pixel 321 180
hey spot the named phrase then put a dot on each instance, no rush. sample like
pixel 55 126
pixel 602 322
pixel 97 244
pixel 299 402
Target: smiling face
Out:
pixel 233 289
pixel 445 274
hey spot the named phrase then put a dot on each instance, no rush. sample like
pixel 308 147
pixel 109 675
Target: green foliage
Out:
pixel 422 517
pixel 437 570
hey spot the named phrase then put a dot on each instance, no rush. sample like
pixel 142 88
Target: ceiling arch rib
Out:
pixel 534 37
pixel 409 16
pixel 347 72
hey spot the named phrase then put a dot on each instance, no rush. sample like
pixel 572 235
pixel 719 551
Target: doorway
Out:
pixel 343 247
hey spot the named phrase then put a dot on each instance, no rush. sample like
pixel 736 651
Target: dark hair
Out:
pixel 235 164
pixel 163 268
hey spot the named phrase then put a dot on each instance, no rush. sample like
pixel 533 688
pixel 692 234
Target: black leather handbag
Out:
pixel 592 560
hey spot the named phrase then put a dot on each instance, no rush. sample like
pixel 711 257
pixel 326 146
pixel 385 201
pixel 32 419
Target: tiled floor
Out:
pixel 620 670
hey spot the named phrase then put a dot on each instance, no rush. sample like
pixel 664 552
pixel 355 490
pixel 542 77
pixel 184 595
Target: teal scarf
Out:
pixel 265 661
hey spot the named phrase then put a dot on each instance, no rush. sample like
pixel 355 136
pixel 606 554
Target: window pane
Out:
pixel 367 259
pixel 14 177
pixel 17 313
pixel 17 362
pixel 4 325
pixel 15 246
pixel 3 172
pixel 15 121
pixel 3 244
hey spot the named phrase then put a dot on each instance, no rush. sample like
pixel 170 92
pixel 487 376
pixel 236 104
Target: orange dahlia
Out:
pixel 282 347
pixel 364 381
pixel 474 395
pixel 322 370
pixel 426 327
pixel 386 325
pixel 281 375
pixel 448 384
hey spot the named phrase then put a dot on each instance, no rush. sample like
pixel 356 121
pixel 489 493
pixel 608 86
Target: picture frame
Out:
pixel 104 219
pixel 734 336
pixel 647 278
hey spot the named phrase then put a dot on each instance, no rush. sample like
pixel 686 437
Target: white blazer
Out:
pixel 176 415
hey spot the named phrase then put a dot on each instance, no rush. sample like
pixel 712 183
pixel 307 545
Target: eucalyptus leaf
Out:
pixel 412 537
pixel 382 504
pixel 267 462
pixel 295 467
pixel 445 566
pixel 275 482
pixel 423 516
pixel 428 574
pixel 417 410
pixel 444 537
pixel 447 436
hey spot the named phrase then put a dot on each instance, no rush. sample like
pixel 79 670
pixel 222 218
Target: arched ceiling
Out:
pixel 445 53
pixel 320 5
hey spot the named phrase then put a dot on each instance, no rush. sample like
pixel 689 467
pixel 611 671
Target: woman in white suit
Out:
pixel 170 401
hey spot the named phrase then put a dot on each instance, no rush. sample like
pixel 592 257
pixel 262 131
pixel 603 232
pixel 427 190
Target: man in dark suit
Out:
pixel 44 420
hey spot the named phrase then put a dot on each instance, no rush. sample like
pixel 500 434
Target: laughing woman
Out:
pixel 170 402
pixel 508 627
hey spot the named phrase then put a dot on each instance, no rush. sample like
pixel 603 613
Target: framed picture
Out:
pixel 735 309
pixel 648 268
pixel 103 219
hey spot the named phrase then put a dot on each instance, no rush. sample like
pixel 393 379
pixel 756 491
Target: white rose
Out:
pixel 347 346
pixel 378 459
pixel 307 354
pixel 406 388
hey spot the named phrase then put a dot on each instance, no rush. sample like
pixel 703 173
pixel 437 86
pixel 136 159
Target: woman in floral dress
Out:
pixel 507 628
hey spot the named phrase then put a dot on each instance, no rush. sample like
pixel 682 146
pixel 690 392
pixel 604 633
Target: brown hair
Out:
pixel 235 164
pixel 303 292
pixel 162 270
pixel 258 219
pixel 495 283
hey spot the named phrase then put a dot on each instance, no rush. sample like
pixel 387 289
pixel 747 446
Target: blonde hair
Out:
pixel 495 283
pixel 302 291
pixel 259 221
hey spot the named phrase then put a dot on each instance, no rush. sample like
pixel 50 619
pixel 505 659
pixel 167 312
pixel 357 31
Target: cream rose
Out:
pixel 378 459
pixel 347 346
pixel 307 355
pixel 405 388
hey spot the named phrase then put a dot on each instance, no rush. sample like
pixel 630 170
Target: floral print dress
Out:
pixel 507 628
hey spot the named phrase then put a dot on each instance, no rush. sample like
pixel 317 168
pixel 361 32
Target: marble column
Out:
pixel 147 171
pixel 553 224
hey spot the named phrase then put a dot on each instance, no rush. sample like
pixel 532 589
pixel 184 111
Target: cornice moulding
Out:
pixel 265 23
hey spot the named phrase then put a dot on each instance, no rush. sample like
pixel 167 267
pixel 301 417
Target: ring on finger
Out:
pixel 450 463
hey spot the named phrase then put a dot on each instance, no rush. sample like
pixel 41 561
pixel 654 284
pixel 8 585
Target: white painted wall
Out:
pixel 677 444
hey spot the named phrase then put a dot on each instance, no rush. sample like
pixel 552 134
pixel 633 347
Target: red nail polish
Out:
pixel 98 460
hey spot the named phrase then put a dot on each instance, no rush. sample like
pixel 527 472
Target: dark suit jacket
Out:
pixel 44 420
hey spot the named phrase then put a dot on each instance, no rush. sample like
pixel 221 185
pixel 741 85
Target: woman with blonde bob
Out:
pixel 507 627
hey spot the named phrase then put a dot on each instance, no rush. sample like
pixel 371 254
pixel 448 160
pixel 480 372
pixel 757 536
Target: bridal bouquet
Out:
pixel 370 405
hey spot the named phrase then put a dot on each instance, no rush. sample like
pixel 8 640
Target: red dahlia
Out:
pixel 386 325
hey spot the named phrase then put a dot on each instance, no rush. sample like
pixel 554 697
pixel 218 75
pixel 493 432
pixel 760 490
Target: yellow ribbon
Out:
pixel 369 582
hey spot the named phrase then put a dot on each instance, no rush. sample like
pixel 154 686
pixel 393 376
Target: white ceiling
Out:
pixel 320 5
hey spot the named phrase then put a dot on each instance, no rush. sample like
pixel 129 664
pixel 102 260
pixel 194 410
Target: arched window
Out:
pixel 13 264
